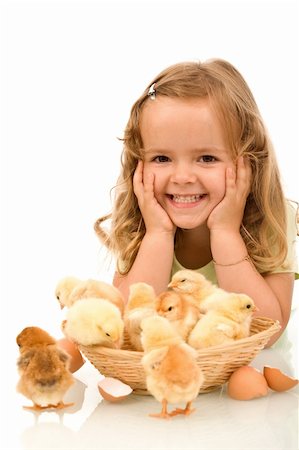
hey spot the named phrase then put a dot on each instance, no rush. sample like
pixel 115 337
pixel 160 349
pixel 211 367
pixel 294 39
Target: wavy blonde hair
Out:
pixel 264 223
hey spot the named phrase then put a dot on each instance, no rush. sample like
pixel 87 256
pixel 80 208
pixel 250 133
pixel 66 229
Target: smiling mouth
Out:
pixel 186 198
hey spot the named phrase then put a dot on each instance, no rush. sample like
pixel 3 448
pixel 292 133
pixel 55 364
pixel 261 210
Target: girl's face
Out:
pixel 186 150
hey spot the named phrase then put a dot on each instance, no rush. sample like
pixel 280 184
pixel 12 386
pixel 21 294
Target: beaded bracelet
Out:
pixel 246 258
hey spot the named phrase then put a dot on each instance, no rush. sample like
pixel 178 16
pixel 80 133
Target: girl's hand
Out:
pixel 155 217
pixel 228 214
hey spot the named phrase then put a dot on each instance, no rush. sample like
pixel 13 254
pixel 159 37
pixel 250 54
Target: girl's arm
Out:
pixel 154 259
pixel 272 293
pixel 152 264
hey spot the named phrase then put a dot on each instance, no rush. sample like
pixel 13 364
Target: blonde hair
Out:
pixel 264 223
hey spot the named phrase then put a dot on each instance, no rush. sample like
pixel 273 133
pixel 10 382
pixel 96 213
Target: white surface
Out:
pixel 219 422
pixel 70 71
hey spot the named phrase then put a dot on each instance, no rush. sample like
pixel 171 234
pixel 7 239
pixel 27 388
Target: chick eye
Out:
pixel 183 281
pixel 248 306
pixel 57 296
pixel 107 334
pixel 170 308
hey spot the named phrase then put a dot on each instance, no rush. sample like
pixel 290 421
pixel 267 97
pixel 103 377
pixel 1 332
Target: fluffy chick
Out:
pixel 224 322
pixel 176 307
pixel 94 321
pixel 43 369
pixel 196 287
pixel 99 289
pixel 141 304
pixel 172 375
pixel 64 288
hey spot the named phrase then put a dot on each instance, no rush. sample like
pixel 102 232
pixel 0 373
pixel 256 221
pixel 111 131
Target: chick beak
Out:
pixel 61 305
pixel 255 308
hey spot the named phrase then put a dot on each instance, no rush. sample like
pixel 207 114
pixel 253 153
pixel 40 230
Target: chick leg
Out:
pixel 185 411
pixel 163 414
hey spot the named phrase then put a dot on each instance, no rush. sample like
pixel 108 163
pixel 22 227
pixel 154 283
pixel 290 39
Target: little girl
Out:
pixel 200 189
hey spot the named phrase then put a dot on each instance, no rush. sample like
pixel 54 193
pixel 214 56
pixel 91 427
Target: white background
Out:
pixel 70 72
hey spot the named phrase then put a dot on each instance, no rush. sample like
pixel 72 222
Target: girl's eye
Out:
pixel 161 159
pixel 207 158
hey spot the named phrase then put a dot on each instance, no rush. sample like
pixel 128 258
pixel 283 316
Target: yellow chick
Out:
pixel 172 375
pixel 43 369
pixel 94 321
pixel 90 288
pixel 64 288
pixel 224 322
pixel 195 286
pixel 141 304
pixel 176 308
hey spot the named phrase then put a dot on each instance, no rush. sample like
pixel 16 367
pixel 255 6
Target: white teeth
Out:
pixel 187 198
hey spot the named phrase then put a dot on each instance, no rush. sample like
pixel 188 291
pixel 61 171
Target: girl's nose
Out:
pixel 183 174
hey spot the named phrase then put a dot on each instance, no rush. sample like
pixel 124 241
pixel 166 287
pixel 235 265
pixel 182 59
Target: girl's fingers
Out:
pixel 143 183
pixel 243 174
pixel 138 179
pixel 230 180
pixel 148 183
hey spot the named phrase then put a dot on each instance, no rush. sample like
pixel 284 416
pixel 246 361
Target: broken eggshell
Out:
pixel 277 380
pixel 76 359
pixel 113 390
pixel 247 383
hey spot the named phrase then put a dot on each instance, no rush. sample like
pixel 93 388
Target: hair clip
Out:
pixel 152 92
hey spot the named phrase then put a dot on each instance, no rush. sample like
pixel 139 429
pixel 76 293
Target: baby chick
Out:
pixel 64 288
pixel 176 307
pixel 141 304
pixel 195 286
pixel 225 321
pixel 94 321
pixel 89 288
pixel 43 369
pixel 99 289
pixel 172 374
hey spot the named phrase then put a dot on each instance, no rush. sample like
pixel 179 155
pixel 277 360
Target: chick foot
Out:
pixel 163 414
pixel 187 411
pixel 35 407
pixel 61 405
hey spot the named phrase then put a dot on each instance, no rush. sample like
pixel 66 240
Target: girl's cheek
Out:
pixel 218 184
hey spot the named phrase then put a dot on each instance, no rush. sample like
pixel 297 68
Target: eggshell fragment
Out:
pixel 277 380
pixel 113 390
pixel 76 360
pixel 247 383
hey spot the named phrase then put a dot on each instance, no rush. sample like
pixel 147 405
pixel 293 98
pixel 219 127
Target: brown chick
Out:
pixel 176 307
pixel 97 289
pixel 224 322
pixel 43 369
pixel 141 304
pixel 172 374
pixel 195 287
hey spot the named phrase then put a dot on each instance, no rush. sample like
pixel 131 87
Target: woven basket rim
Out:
pixel 272 329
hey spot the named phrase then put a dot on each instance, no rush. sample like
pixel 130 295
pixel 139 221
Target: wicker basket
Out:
pixel 217 362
